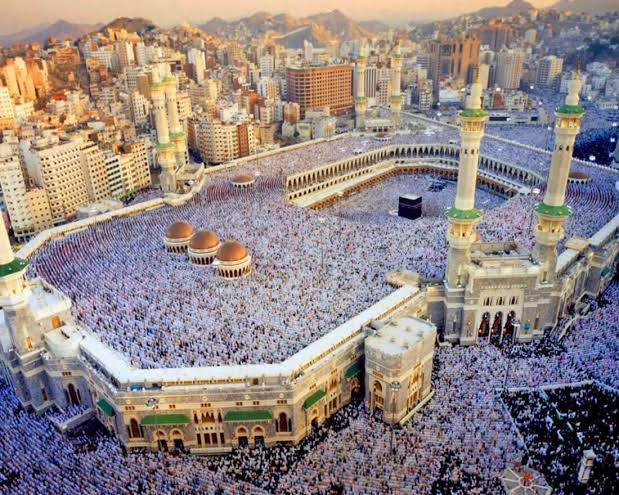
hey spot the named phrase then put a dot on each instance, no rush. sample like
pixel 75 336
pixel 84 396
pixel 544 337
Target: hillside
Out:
pixel 131 24
pixel 319 29
pixel 591 6
pixel 515 7
pixel 60 29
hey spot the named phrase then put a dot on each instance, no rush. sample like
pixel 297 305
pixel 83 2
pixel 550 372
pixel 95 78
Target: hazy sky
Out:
pixel 20 14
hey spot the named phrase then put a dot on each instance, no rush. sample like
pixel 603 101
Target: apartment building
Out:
pixel 313 87
pixel 28 208
pixel 95 172
pixel 57 167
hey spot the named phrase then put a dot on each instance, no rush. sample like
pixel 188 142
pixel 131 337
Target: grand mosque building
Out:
pixel 382 355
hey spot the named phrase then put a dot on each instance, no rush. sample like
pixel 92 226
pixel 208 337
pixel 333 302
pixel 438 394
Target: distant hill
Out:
pixel 319 29
pixel 375 26
pixel 61 29
pixel 514 7
pixel 131 24
pixel 592 6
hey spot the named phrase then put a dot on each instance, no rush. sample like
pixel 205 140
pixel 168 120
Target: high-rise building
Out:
pixel 28 208
pixel 496 35
pixel 7 110
pixel 548 71
pixel 313 87
pixel 453 58
pixel 218 142
pixel 139 107
pixel 57 167
pixel 198 61
pixel 509 68
pixel 93 165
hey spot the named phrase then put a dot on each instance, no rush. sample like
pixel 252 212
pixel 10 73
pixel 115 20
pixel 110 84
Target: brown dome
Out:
pixel 579 175
pixel 231 251
pixel 179 230
pixel 204 239
pixel 243 179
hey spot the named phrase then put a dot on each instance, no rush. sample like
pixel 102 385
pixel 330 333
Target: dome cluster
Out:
pixel 231 258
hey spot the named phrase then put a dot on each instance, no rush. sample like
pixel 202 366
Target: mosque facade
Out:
pixel 383 355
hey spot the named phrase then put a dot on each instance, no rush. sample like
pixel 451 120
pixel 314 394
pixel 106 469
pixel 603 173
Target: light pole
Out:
pixel 395 387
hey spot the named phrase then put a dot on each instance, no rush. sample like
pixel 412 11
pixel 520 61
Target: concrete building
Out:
pixel 7 110
pixel 197 59
pixel 313 87
pixel 548 71
pixel 453 58
pixel 95 172
pixel 28 208
pixel 509 68
pixel 57 167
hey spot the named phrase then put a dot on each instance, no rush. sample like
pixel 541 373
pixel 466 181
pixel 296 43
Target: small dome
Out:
pixel 179 230
pixel 231 251
pixel 243 179
pixel 579 175
pixel 204 239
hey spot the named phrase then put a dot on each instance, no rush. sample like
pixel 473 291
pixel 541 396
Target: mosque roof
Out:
pixel 204 239
pixel 179 230
pixel 231 251
pixel 243 178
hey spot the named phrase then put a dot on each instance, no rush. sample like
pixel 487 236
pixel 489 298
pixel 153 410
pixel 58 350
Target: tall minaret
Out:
pixel 13 290
pixel 463 216
pixel 177 136
pixel 360 100
pixel 553 212
pixel 165 149
pixel 396 81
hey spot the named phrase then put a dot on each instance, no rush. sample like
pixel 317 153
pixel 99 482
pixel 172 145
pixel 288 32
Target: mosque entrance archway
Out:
pixel 484 326
pixel 243 441
pixel 314 424
pixel 178 445
pixel 73 397
pixel 162 445
pixel 508 330
pixel 497 323
pixel 497 327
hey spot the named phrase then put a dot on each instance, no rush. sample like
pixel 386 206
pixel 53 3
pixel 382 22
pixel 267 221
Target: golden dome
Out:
pixel 231 251
pixel 179 230
pixel 243 179
pixel 204 239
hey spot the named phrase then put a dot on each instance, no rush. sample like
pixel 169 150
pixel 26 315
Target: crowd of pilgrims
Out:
pixel 460 442
pixel 558 425
pixel 312 270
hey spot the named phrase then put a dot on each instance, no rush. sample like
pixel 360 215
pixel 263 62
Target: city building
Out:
pixel 509 68
pixel 312 87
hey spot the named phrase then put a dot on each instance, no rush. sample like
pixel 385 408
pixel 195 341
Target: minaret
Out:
pixel 396 81
pixel 360 100
pixel 553 212
pixel 463 216
pixel 13 290
pixel 177 136
pixel 165 149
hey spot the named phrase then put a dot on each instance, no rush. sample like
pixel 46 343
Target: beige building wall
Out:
pixel 58 168
pixel 93 164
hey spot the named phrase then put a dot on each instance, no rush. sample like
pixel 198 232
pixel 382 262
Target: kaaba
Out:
pixel 409 206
